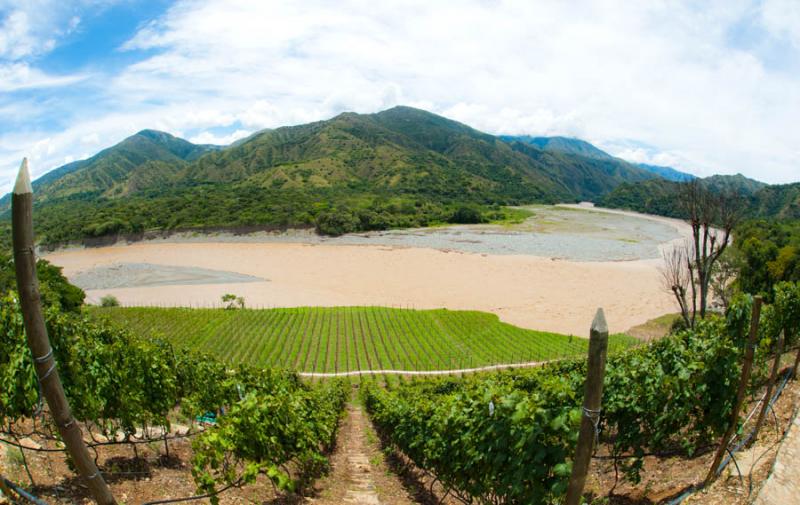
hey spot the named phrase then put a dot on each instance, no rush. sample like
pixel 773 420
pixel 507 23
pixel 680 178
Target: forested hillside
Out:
pixel 398 168
pixel 659 196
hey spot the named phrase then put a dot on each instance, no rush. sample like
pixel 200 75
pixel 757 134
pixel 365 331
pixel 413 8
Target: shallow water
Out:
pixel 128 275
pixel 553 232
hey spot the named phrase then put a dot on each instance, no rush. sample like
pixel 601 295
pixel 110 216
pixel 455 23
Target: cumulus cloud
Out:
pixel 662 74
pixel 33 27
pixel 676 77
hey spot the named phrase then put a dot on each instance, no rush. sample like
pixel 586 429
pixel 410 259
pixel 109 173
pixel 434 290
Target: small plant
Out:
pixel 15 457
pixel 232 301
pixel 109 301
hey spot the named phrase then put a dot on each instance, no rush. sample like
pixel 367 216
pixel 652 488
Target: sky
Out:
pixel 706 87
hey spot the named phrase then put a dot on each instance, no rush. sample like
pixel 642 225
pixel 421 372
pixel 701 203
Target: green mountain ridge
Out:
pixel 659 196
pixel 668 173
pixel 145 159
pixel 562 144
pixel 354 172
pixel 580 147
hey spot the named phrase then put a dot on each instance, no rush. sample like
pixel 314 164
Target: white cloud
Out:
pixel 607 70
pixel 207 137
pixel 92 138
pixel 33 27
pixel 662 73
pixel 15 38
pixel 782 18
pixel 17 76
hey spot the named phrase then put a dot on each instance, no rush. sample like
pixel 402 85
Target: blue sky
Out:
pixel 710 89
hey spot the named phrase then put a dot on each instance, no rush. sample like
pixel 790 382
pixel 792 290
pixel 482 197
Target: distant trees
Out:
pixel 232 301
pixel 689 268
pixel 336 222
pixel 768 253
pixel 467 215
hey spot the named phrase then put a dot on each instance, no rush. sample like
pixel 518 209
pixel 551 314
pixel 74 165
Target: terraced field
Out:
pixel 342 339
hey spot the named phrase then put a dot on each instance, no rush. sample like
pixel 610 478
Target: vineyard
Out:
pixel 342 339
pixel 509 437
pixel 132 375
pixel 121 387
pixel 495 438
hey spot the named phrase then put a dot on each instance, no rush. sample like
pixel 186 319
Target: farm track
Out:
pixel 487 368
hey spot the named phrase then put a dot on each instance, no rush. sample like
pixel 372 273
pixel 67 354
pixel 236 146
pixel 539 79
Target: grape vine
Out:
pixel 508 437
pixel 122 385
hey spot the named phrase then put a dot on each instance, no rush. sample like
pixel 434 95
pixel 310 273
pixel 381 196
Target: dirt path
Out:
pixel 354 373
pixel 359 474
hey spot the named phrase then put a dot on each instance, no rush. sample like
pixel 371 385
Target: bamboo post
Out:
pixel 747 367
pixel 796 364
pixel 598 344
pixel 38 341
pixel 770 385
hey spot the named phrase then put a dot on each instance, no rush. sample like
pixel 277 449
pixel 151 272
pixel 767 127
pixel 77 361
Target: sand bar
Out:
pixel 529 291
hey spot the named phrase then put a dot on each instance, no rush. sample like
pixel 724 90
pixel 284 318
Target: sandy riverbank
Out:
pixel 528 291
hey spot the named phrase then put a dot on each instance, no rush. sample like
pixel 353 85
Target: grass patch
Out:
pixel 513 215
pixel 339 339
pixel 654 328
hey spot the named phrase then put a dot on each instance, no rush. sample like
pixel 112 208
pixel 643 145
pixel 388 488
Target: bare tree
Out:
pixel 712 218
pixel 676 276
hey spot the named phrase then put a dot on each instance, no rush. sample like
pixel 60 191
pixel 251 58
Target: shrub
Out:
pixel 109 301
pixel 232 301
pixel 466 215
pixel 336 222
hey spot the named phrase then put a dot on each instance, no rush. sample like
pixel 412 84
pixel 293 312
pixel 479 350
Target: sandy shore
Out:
pixel 532 292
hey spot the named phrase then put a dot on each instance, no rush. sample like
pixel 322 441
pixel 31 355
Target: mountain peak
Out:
pixel 154 134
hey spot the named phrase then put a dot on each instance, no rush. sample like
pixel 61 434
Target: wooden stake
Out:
pixel 770 385
pixel 747 367
pixel 593 395
pixel 38 341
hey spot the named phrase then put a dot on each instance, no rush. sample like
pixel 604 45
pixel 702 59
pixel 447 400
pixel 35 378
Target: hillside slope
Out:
pixel 396 168
pixel 580 147
pixel 145 160
pixel 667 173
pixel 659 196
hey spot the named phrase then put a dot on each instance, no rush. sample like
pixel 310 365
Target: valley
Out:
pixel 557 294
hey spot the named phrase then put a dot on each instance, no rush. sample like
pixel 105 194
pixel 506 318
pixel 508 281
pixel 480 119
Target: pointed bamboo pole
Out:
pixel 38 341
pixel 598 345
pixel 773 376
pixel 747 367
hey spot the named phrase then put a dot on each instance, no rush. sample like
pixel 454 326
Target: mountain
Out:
pixel 409 150
pixel 582 148
pixel 144 160
pixel 667 173
pixel 734 184
pixel 659 196
pixel 397 168
pixel 779 201
pixel 563 145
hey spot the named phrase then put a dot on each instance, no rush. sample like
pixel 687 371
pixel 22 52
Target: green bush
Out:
pixel 466 215
pixel 109 301
pixel 336 222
